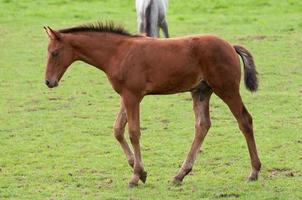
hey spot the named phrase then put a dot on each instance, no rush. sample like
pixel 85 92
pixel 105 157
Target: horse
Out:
pixel 151 17
pixel 137 66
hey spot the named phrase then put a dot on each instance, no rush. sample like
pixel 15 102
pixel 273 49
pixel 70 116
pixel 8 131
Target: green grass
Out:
pixel 58 144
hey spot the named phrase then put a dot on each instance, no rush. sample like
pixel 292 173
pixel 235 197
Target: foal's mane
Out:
pixel 107 27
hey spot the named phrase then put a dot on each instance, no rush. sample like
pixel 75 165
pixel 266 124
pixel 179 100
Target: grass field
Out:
pixel 58 144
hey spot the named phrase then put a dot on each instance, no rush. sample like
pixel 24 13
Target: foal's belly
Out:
pixel 171 83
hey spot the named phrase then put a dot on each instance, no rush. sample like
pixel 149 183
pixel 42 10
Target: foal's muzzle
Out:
pixel 51 84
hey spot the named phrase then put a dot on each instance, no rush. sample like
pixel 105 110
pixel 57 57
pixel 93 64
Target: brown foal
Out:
pixel 137 66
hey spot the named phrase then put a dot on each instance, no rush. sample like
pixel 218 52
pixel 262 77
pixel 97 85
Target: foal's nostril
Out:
pixel 47 82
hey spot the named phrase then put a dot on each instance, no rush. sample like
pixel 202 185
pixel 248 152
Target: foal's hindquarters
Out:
pixel 223 78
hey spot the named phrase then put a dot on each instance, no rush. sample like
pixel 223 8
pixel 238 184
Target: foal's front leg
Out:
pixel 119 130
pixel 131 103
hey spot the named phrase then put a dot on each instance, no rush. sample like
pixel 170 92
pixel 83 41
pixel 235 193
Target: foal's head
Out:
pixel 60 56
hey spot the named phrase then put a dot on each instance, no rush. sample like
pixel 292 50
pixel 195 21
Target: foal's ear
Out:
pixel 52 34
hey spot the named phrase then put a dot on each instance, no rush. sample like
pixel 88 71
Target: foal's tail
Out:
pixel 250 73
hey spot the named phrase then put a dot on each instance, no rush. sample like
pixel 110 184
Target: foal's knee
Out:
pixel 118 133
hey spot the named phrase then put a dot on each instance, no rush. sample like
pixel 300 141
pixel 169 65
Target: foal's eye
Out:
pixel 55 54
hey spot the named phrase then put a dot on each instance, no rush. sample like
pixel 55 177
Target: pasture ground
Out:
pixel 58 144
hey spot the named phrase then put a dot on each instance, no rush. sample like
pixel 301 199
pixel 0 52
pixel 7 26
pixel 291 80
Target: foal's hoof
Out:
pixel 253 176
pixel 143 177
pixel 176 182
pixel 132 185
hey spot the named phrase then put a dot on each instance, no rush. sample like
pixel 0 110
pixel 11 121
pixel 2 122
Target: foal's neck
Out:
pixel 97 49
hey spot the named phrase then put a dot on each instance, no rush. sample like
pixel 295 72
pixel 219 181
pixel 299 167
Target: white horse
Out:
pixel 151 17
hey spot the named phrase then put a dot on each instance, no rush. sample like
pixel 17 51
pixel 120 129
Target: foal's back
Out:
pixel 180 64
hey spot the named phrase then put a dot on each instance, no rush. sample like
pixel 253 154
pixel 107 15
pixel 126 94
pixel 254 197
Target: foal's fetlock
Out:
pixel 141 173
pixel 187 171
pixel 134 181
pixel 177 180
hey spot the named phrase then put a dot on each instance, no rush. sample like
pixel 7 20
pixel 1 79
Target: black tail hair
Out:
pixel 250 73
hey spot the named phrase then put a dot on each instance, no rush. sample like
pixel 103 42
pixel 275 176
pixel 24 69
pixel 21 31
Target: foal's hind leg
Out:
pixel 119 130
pixel 202 125
pixel 245 123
